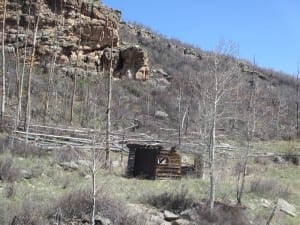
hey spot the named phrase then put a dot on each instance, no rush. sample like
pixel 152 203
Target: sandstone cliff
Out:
pixel 73 33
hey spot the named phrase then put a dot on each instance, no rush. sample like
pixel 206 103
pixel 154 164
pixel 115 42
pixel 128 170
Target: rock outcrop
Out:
pixel 134 62
pixel 72 33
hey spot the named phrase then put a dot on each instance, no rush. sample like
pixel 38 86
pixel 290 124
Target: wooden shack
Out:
pixel 153 162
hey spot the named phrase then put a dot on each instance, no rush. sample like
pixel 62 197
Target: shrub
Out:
pixel 9 190
pixel 4 141
pixel 31 212
pixel 8 172
pixel 66 154
pixel 269 187
pixel 225 214
pixel 79 204
pixel 177 200
pixel 262 160
pixel 26 151
pixel 292 157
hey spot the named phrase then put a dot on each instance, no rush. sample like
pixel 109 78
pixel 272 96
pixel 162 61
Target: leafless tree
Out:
pixel 75 73
pixel 250 129
pixel 223 70
pixel 20 92
pixel 297 104
pixel 108 110
pixel 179 117
pixel 3 62
pixel 95 159
pixel 53 65
pixel 28 102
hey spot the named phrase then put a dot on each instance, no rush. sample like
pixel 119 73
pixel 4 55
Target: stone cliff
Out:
pixel 73 34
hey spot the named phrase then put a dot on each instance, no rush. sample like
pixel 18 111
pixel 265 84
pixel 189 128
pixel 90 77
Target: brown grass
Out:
pixel 176 200
pixel 269 187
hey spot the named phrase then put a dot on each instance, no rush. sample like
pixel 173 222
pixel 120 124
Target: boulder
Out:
pixel 99 220
pixel 278 159
pixel 69 165
pixel 157 220
pixel 26 173
pixel 161 115
pixel 190 214
pixel 181 222
pixel 266 203
pixel 286 207
pixel 162 72
pixel 170 216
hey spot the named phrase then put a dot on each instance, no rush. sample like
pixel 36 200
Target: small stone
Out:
pixel 266 203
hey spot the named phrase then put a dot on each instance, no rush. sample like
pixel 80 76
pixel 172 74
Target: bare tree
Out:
pixel 53 64
pixel 223 70
pixel 75 73
pixel 28 102
pixel 179 117
pixel 297 104
pixel 108 110
pixel 17 69
pixel 21 83
pixel 94 168
pixel 251 125
pixel 3 62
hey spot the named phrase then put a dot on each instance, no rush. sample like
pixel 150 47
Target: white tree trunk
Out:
pixel 3 62
pixel 28 102
pixel 108 110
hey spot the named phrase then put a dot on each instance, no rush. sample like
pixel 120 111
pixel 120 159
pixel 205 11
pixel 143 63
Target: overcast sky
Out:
pixel 268 30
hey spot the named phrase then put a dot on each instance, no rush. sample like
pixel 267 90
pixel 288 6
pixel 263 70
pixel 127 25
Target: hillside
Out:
pixel 60 60
pixel 70 45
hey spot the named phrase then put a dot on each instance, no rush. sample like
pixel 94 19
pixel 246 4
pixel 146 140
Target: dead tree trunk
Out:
pixel 3 62
pixel 17 65
pixel 94 177
pixel 28 102
pixel 108 110
pixel 179 118
pixel 53 65
pixel 23 74
pixel 212 157
pixel 297 105
pixel 251 123
pixel 75 73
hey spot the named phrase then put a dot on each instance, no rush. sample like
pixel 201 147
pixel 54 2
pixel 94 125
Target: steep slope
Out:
pixel 72 33
pixel 76 38
pixel 275 92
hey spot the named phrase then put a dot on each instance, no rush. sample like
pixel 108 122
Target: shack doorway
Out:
pixel 145 163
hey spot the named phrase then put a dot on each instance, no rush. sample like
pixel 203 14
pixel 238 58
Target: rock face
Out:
pixel 134 62
pixel 72 33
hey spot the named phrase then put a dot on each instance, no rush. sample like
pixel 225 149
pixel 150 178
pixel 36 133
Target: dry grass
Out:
pixel 269 187
pixel 78 204
pixel 224 214
pixel 177 200
pixel 8 171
